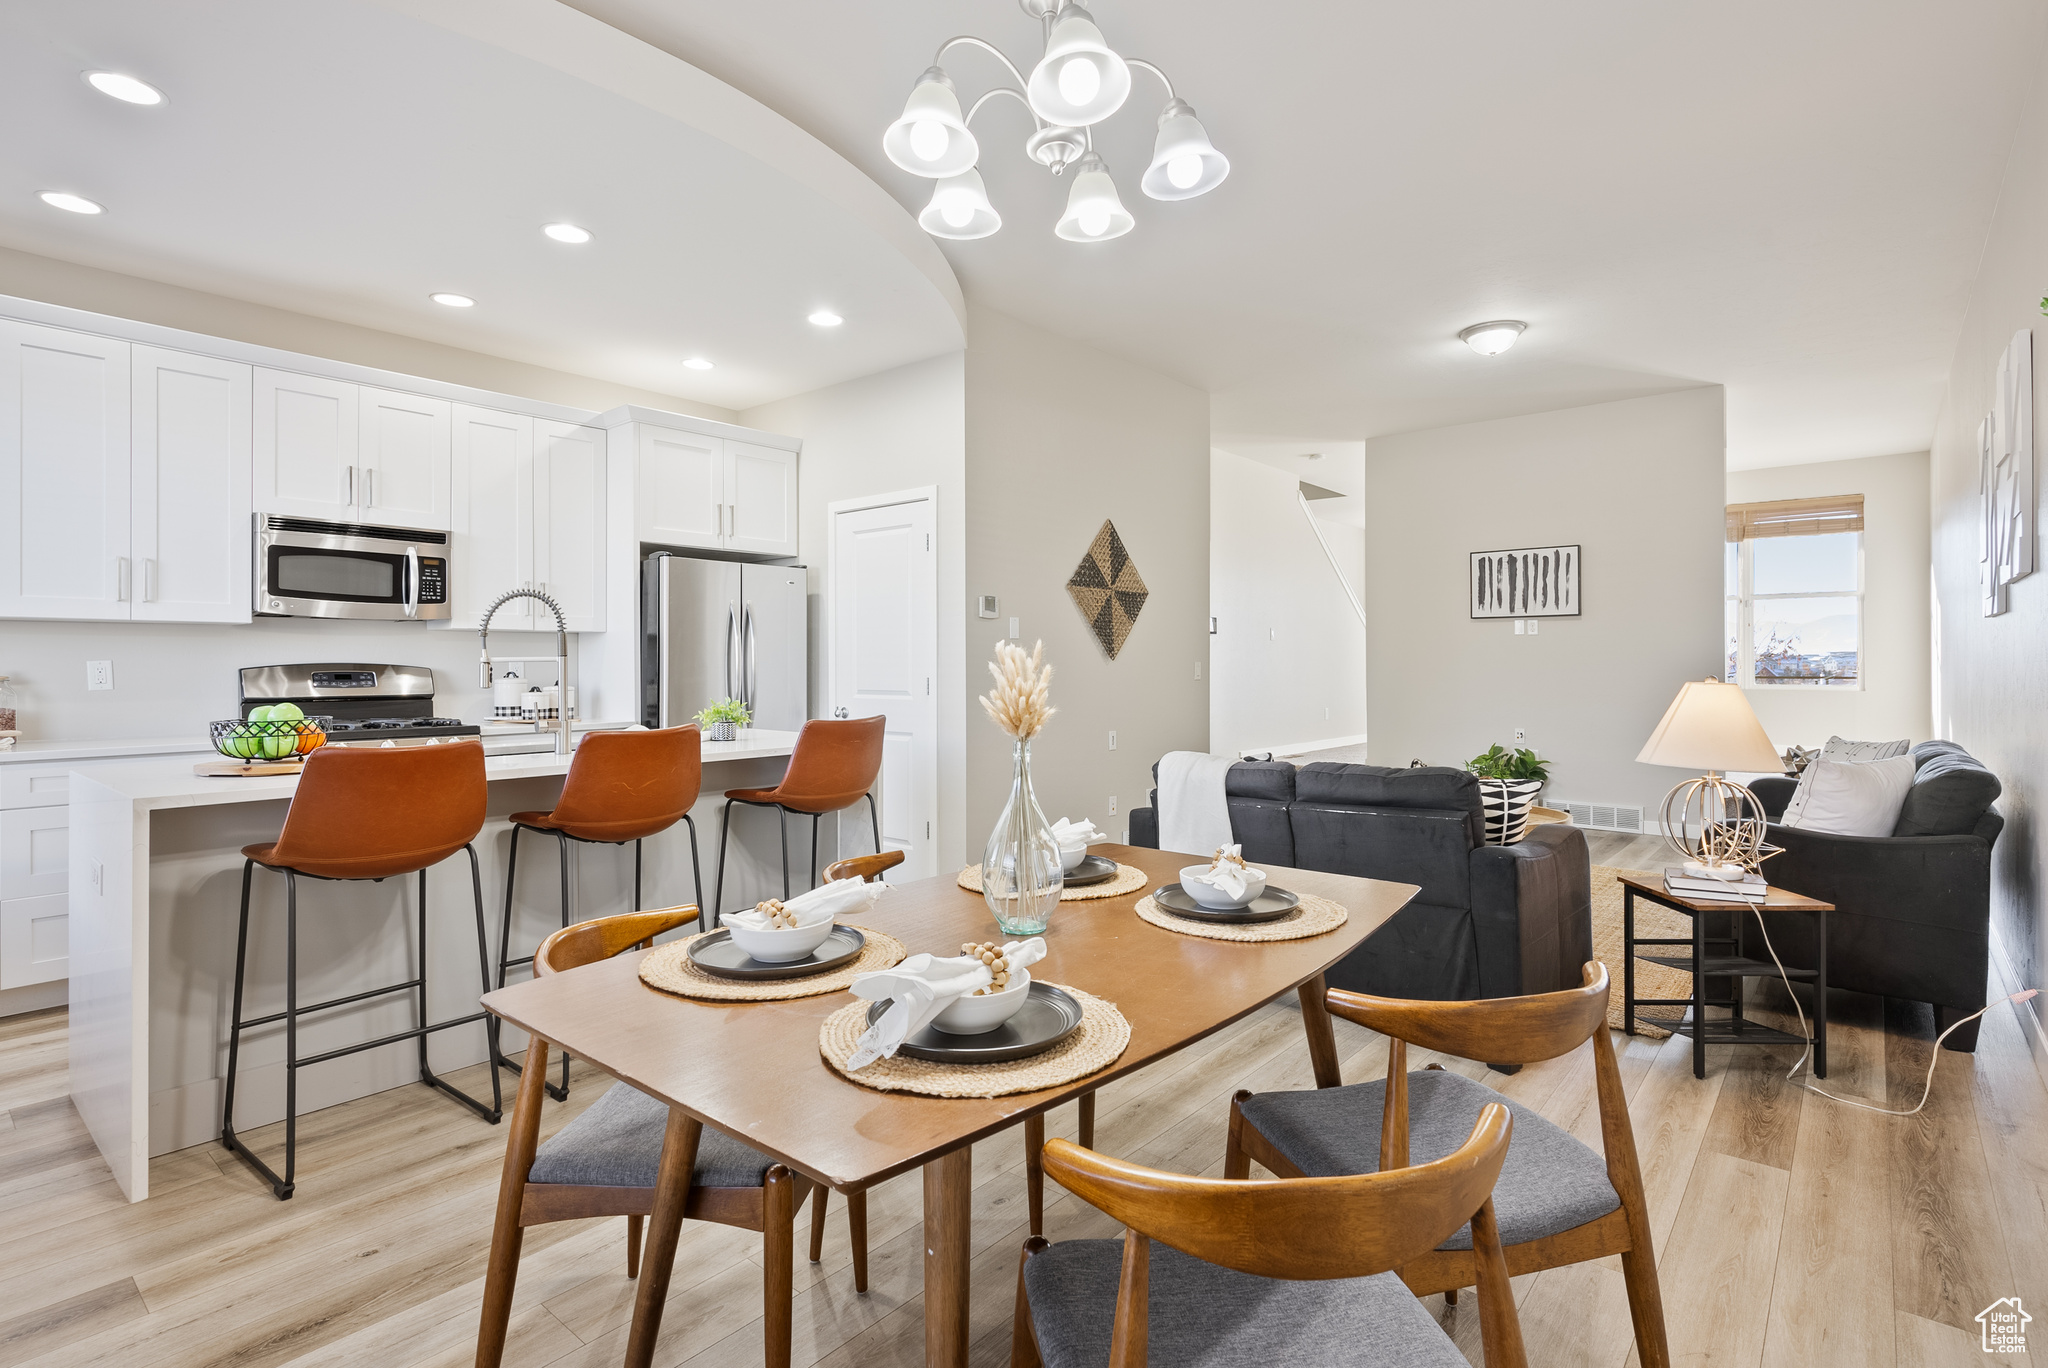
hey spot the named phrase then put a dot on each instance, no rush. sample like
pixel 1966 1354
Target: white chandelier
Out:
pixel 1078 83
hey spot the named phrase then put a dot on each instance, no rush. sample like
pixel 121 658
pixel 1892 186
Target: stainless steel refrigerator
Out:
pixel 715 629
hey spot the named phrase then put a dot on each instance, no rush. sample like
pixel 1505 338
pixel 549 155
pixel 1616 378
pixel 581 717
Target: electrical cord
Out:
pixel 1935 1058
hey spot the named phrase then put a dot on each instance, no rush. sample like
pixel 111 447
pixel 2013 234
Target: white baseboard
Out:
pixel 1299 747
pixel 2008 980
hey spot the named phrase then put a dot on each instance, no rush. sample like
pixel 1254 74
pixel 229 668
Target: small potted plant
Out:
pixel 722 720
pixel 1508 784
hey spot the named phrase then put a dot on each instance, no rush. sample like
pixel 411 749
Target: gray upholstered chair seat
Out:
pixel 1551 1181
pixel 1200 1314
pixel 616 1142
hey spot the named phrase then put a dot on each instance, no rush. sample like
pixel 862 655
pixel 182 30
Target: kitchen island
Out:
pixel 156 865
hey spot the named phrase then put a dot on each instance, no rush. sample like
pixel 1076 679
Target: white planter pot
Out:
pixel 1506 803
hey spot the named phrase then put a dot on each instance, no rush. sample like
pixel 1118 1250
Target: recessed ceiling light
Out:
pixel 825 318
pixel 698 363
pixel 126 89
pixel 453 301
pixel 1491 339
pixel 76 204
pixel 567 232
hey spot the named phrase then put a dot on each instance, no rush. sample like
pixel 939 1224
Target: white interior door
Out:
pixel 884 594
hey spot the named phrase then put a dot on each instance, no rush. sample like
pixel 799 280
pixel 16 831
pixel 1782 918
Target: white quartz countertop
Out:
pixel 169 781
pixel 52 752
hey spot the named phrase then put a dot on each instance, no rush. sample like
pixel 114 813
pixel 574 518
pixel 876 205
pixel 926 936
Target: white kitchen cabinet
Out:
pixel 403 460
pixel 491 516
pixel 760 494
pixel 681 495
pixel 35 940
pixel 305 446
pixel 63 474
pixel 35 851
pixel 190 486
pixel 569 522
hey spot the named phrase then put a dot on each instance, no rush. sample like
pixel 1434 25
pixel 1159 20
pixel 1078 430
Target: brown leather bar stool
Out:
pixel 834 766
pixel 365 814
pixel 622 786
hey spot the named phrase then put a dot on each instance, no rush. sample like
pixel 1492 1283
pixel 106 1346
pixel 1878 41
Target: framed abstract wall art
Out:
pixel 1534 581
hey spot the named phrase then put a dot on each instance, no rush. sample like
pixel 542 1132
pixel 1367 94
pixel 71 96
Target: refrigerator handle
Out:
pixel 752 659
pixel 731 641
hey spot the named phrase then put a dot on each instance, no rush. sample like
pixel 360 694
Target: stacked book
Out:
pixel 1750 888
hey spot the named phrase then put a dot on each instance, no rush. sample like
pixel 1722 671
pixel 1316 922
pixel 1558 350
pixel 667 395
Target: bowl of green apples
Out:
pixel 278 731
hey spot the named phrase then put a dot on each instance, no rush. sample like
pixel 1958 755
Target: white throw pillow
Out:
pixel 1853 752
pixel 1850 799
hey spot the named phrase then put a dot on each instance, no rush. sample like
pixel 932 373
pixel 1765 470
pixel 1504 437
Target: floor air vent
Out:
pixel 1606 816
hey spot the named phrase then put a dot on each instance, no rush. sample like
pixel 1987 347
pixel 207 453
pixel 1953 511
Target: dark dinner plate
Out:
pixel 1048 1016
pixel 1271 905
pixel 1092 870
pixel 716 954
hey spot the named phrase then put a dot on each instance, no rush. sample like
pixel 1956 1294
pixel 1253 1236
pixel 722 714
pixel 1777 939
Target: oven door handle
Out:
pixel 412 581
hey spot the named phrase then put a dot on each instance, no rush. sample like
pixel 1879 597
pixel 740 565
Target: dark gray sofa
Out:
pixel 1912 914
pixel 1490 921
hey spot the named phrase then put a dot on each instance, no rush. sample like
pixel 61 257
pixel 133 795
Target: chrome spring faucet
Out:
pixel 483 672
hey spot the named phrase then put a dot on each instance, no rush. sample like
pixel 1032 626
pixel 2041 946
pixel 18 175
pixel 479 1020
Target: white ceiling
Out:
pixel 1785 199
pixel 345 159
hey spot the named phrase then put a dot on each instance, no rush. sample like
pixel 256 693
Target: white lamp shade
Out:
pixel 1075 99
pixel 1710 726
pixel 1093 205
pixel 960 208
pixel 1183 147
pixel 931 139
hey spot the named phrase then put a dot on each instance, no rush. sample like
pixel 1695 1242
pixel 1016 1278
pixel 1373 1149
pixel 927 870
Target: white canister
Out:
pixel 505 692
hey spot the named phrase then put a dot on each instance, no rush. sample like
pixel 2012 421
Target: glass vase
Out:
pixel 1020 870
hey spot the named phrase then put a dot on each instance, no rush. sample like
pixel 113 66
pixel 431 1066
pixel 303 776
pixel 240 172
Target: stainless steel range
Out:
pixel 362 705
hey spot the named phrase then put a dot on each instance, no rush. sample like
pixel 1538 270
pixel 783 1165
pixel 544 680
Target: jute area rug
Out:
pixel 1652 980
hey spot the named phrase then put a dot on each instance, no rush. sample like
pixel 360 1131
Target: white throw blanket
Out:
pixel 1071 834
pixel 827 902
pixel 1226 875
pixel 921 987
pixel 1192 812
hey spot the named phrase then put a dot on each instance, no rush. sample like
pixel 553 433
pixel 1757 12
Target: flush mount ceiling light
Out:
pixel 1078 82
pixel 567 232
pixel 73 204
pixel 126 89
pixel 1491 339
pixel 452 300
pixel 825 318
pixel 698 363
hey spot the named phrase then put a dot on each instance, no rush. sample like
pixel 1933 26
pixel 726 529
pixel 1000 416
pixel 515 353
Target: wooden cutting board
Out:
pixel 219 768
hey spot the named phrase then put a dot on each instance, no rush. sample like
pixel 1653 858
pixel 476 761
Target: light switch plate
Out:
pixel 1014 632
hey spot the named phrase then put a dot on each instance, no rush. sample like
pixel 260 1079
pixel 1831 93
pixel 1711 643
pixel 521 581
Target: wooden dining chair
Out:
pixel 864 867
pixel 1559 1202
pixel 1215 1273
pixel 604 1162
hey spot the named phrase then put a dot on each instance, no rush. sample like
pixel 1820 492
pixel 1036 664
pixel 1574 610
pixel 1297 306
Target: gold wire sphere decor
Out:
pixel 1718 826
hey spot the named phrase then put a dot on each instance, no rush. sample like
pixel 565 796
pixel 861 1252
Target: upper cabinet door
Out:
pixel 305 446
pixel 190 523
pixel 492 506
pixel 682 488
pixel 760 491
pixel 569 521
pixel 405 460
pixel 63 474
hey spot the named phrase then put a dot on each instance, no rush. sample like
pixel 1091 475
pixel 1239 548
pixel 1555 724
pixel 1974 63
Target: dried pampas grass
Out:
pixel 1018 703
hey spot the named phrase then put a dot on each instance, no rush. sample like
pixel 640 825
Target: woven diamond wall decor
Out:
pixel 1107 589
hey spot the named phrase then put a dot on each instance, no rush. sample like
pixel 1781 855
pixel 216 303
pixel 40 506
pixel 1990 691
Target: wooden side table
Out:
pixel 1726 959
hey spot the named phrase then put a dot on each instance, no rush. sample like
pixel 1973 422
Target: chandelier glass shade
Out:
pixel 1078 82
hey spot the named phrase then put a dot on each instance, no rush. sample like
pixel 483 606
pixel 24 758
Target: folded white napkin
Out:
pixel 921 987
pixel 1071 834
pixel 827 902
pixel 1226 875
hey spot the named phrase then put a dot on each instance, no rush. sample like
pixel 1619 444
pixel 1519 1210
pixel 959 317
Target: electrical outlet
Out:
pixel 1014 633
pixel 1112 805
pixel 1534 623
pixel 99 674
pixel 1112 740
pixel 1520 734
pixel 1326 714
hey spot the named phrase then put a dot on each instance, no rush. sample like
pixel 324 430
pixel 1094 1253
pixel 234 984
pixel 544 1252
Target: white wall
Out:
pixel 1059 437
pixel 1990 691
pixel 902 429
pixel 1288 657
pixel 1639 485
pixel 1895 699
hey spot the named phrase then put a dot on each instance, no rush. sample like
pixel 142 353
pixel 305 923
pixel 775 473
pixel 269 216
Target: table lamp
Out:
pixel 1710 726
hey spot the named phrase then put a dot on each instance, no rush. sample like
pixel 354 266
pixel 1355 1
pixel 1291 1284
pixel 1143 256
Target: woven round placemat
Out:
pixel 1103 1035
pixel 668 968
pixel 1129 879
pixel 1313 917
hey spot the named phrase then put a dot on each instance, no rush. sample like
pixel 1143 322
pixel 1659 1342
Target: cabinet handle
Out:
pixel 121 579
pixel 149 579
pixel 369 485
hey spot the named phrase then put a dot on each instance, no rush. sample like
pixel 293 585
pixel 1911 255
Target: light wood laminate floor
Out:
pixel 1790 1230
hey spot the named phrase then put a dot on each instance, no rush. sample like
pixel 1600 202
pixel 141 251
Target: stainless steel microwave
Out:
pixel 308 568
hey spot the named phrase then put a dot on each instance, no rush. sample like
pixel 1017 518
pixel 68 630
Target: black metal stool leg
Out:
pixel 291 1036
pixel 505 960
pixel 636 875
pixel 696 874
pixel 875 819
pixel 561 1094
pixel 227 1110
pixel 782 821
pixel 483 968
pixel 814 848
pixel 718 890
pixel 427 1074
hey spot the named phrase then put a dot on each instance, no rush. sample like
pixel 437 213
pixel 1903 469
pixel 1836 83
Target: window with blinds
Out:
pixel 1795 593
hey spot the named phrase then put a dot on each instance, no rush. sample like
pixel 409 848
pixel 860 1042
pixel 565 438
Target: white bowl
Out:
pixel 977 1015
pixel 1070 856
pixel 1208 895
pixel 783 944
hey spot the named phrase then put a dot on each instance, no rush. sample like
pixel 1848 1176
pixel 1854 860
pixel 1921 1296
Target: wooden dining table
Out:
pixel 753 1069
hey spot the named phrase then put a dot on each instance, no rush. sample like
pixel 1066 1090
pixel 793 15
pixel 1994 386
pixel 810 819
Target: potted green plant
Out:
pixel 1509 781
pixel 722 720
